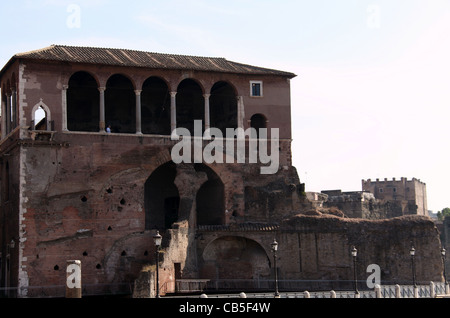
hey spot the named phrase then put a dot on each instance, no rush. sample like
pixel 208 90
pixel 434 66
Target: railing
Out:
pixel 211 288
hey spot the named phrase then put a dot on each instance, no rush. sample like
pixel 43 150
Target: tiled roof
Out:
pixel 132 58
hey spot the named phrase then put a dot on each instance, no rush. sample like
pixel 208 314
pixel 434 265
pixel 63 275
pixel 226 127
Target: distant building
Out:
pixel 410 194
pixel 377 200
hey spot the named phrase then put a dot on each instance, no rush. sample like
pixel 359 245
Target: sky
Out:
pixel 372 94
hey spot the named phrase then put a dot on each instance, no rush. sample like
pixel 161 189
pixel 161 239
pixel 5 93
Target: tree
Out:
pixel 442 214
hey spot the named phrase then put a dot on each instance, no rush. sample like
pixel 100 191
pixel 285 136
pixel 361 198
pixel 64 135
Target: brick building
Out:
pixel 70 190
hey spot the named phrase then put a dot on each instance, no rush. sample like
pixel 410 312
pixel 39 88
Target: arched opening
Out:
pixel 155 99
pixel 223 106
pixel 190 105
pixel 235 257
pixel 83 100
pixel 120 104
pixel 161 198
pixel 40 119
pixel 258 121
pixel 210 199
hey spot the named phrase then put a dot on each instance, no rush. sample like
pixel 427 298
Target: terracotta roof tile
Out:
pixel 132 58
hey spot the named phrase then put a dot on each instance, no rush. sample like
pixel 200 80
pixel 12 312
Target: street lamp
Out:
pixel 354 254
pixel 158 238
pixel 445 275
pixel 274 246
pixel 412 252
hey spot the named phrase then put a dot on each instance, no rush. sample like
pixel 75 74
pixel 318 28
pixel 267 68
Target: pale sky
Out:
pixel 371 99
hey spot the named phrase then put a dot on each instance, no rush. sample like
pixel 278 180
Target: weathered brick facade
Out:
pixel 70 190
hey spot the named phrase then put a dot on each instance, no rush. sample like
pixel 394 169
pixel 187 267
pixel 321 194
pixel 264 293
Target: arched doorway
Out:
pixel 235 257
pixel 120 104
pixel 155 107
pixel 210 199
pixel 161 198
pixel 223 106
pixel 83 100
pixel 190 105
pixel 258 121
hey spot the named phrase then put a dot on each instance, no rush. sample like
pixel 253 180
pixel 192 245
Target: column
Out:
pixel 173 111
pixel 102 108
pixel 240 116
pixel 138 112
pixel 64 107
pixel 207 115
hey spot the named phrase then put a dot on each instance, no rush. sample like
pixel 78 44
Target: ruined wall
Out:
pixel 318 247
pixel 360 204
pixel 84 198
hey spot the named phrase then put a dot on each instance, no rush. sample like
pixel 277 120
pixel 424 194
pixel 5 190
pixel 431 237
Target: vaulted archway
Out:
pixel 155 99
pixel 190 105
pixel 83 103
pixel 223 106
pixel 161 198
pixel 235 257
pixel 120 104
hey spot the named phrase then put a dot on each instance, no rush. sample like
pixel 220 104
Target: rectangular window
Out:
pixel 256 88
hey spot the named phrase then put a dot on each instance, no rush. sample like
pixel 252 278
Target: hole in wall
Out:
pixel 85 253
pixel 123 253
pixel 56 268
pixel 122 202
pixel 83 199
pixel 109 190
pixel 109 228
pixel 98 266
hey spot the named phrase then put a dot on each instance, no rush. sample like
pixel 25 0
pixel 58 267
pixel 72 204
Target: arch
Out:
pixel 41 117
pixel 210 202
pixel 235 257
pixel 258 121
pixel 120 104
pixel 155 103
pixel 190 104
pixel 223 106
pixel 161 198
pixel 83 103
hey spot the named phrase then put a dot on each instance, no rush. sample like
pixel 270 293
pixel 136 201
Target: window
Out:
pixel 381 190
pixel 394 190
pixel 256 88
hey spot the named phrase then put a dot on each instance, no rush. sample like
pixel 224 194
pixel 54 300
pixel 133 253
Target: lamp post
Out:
pixel 412 252
pixel 445 275
pixel 158 239
pixel 274 246
pixel 354 254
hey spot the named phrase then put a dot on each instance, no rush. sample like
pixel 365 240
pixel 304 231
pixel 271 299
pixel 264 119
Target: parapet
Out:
pixel 402 180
